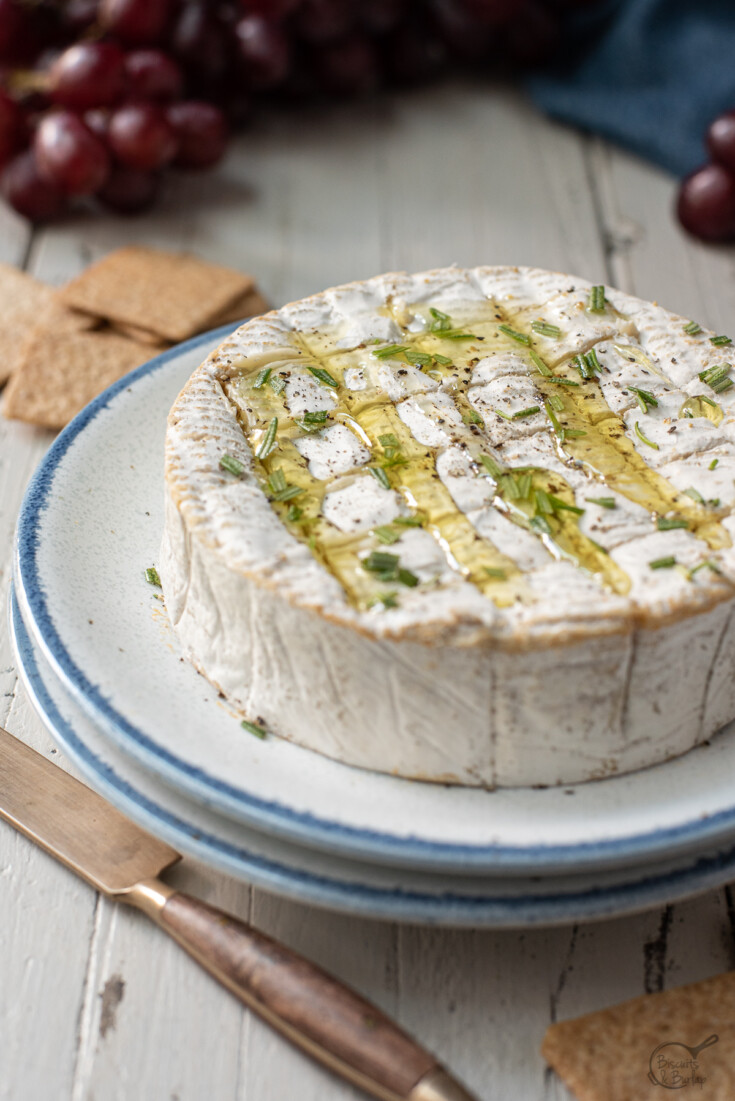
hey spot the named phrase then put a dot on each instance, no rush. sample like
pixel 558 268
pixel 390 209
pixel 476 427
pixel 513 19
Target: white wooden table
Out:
pixel 95 1004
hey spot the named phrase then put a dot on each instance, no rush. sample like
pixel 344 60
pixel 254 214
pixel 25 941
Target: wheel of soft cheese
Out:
pixel 471 526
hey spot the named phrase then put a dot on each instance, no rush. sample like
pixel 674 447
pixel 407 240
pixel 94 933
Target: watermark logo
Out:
pixel 676 1066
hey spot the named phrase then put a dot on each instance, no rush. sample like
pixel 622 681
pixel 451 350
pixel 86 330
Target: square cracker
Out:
pixel 608 1056
pixel 22 299
pixel 62 369
pixel 172 295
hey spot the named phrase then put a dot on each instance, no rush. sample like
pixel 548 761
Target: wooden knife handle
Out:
pixel 316 1012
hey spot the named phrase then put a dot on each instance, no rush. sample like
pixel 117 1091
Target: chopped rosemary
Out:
pixel 663 563
pixel 543 328
pixel 280 488
pixel 540 523
pixel 558 504
pixel 526 412
pixel 277 384
pixel 418 359
pixel 522 338
pixel 573 433
pixel 387 567
pixel 151 576
pixel 716 376
pixel 316 416
pixel 720 341
pixel 604 502
pixel 665 524
pixel 498 574
pixel 524 483
pixel 695 495
pixel 324 377
pixel 708 563
pixel 540 365
pixel 713 464
pixel 390 350
pixel 388 439
pixel 543 501
pixel 453 334
pixel 232 465
pixel 443 361
pixel 268 442
pixel 508 487
pixel 505 416
pixel 410 521
pixel 294 514
pixel 386 534
pixel 441 320
pixel 262 378
pixel 553 418
pixel 643 438
pixel 596 302
pixel 472 417
pixel 378 561
pixel 645 397
pixel 556 403
pixel 692 328
pixel 380 475
pixel 254 728
pixel 493 468
pixel 565 382
pixel 592 361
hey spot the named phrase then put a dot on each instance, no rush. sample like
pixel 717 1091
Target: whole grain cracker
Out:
pixel 62 369
pixel 22 299
pixel 143 336
pixel 172 295
pixel 633 1051
pixel 251 304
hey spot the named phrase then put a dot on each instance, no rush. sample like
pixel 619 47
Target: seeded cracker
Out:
pixel 61 370
pixel 608 1056
pixel 171 295
pixel 22 299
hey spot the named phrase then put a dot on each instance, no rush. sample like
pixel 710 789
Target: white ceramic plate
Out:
pixel 334 881
pixel 90 524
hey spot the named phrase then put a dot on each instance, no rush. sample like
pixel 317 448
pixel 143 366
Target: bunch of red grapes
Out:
pixel 99 97
pixel 706 204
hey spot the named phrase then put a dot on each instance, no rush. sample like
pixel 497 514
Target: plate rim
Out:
pixel 447 910
pixel 270 814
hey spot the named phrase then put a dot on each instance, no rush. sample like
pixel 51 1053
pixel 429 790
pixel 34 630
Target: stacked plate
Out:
pixel 102 665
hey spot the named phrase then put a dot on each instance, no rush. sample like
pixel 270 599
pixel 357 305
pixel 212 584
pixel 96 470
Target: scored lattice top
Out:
pixel 496 454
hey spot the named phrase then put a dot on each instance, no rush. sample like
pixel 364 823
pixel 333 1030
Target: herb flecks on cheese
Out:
pixel 472 381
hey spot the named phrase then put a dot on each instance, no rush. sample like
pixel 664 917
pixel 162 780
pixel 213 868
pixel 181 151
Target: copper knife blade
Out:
pixel 322 1016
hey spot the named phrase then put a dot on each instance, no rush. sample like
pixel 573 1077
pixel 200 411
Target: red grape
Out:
pixel 89 74
pixel 706 204
pixel 98 121
pixel 264 49
pixel 141 136
pixel 201 44
pixel 138 22
pixel 128 191
pixel 320 21
pixel 78 15
pixel 721 140
pixel 153 75
pixel 348 67
pixel 12 127
pixel 69 155
pixel 201 130
pixel 28 192
pixel 17 40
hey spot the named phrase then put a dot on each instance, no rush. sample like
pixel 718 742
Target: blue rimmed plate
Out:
pixel 336 882
pixel 91 522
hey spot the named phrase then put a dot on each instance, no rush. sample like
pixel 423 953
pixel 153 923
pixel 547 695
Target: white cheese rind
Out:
pixel 580 684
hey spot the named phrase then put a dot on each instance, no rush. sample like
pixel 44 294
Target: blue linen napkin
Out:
pixel 648 74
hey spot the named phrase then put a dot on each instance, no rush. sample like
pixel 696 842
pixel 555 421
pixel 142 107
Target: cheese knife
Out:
pixel 316 1012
